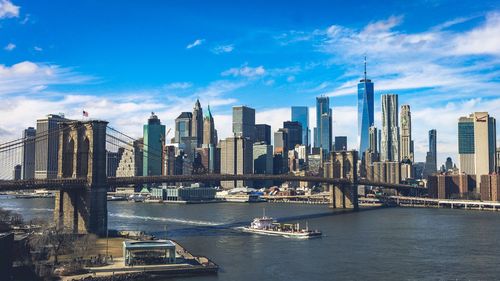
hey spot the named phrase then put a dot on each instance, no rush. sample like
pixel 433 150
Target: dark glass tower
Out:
pixel 301 114
pixel 323 130
pixel 365 112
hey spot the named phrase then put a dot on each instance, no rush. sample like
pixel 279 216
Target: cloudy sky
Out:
pixel 120 60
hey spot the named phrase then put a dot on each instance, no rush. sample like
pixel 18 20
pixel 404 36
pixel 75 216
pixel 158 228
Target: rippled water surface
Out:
pixel 382 244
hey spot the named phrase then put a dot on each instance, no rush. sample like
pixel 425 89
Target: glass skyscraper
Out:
pixel 301 114
pixel 365 112
pixel 323 130
pixel 154 134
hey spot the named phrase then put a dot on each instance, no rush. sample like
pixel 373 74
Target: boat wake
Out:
pixel 164 219
pixel 15 209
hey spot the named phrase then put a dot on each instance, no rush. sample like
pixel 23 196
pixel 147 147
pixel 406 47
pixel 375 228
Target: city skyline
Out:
pixel 48 75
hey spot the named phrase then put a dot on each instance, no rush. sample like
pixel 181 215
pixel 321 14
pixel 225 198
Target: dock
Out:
pixel 188 264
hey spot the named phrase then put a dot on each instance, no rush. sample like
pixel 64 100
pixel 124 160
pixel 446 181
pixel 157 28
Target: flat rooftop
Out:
pixel 151 244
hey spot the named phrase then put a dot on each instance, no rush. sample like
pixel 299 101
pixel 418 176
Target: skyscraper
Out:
pixel 294 131
pixel 431 157
pixel 244 122
pixel 197 123
pixel 262 162
pixel 154 139
pixel 183 126
pixel 340 143
pixel 263 133
pixel 323 130
pixel 209 132
pixel 301 114
pixel 407 154
pixel 236 159
pixel 28 165
pixel 365 111
pixel 373 139
pixel 477 144
pixel 281 142
pixel 46 148
pixel 390 130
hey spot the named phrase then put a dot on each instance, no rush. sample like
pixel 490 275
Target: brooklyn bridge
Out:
pixel 82 182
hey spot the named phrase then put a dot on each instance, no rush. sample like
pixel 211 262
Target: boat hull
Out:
pixel 296 235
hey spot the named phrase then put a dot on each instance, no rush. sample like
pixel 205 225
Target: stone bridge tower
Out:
pixel 82 154
pixel 343 165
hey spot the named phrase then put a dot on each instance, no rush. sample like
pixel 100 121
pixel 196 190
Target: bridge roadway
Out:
pixel 76 183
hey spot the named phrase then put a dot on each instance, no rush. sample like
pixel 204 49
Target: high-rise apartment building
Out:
pixel 365 111
pixel 197 123
pixel 477 144
pixel 323 130
pixel 154 140
pixel 390 130
pixel 46 146
pixel 236 159
pixel 294 131
pixel 406 151
pixel 301 114
pixel 263 133
pixel 28 165
pixel 244 122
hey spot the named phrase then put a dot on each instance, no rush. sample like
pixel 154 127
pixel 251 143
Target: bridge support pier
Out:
pixel 343 166
pixel 82 154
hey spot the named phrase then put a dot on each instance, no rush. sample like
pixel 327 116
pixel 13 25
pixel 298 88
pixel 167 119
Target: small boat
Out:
pixel 116 198
pixel 136 198
pixel 269 226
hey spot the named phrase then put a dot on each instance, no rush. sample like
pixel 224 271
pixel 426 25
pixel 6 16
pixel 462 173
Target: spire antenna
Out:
pixel 365 69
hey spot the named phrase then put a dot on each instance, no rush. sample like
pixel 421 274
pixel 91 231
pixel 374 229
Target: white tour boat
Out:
pixel 269 226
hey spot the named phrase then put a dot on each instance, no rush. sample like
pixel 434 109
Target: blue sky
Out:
pixel 119 60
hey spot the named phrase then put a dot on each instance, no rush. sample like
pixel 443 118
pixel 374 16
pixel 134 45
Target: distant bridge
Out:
pixel 82 183
pixel 78 183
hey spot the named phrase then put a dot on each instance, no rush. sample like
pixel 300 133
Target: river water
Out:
pixel 381 244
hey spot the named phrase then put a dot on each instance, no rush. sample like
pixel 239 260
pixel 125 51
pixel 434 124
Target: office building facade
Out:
pixel 477 144
pixel 197 123
pixel 263 133
pixel 154 141
pixel 294 131
pixel 301 114
pixel 323 131
pixel 390 130
pixel 46 146
pixel 365 111
pixel 236 159
pixel 244 122
pixel 407 154
pixel 28 165
pixel 340 143
pixel 183 126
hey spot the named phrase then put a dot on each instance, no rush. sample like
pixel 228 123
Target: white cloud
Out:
pixel 8 10
pixel 245 71
pixel 223 49
pixel 10 47
pixel 25 76
pixel 38 49
pixel 482 40
pixel 179 85
pixel 196 42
